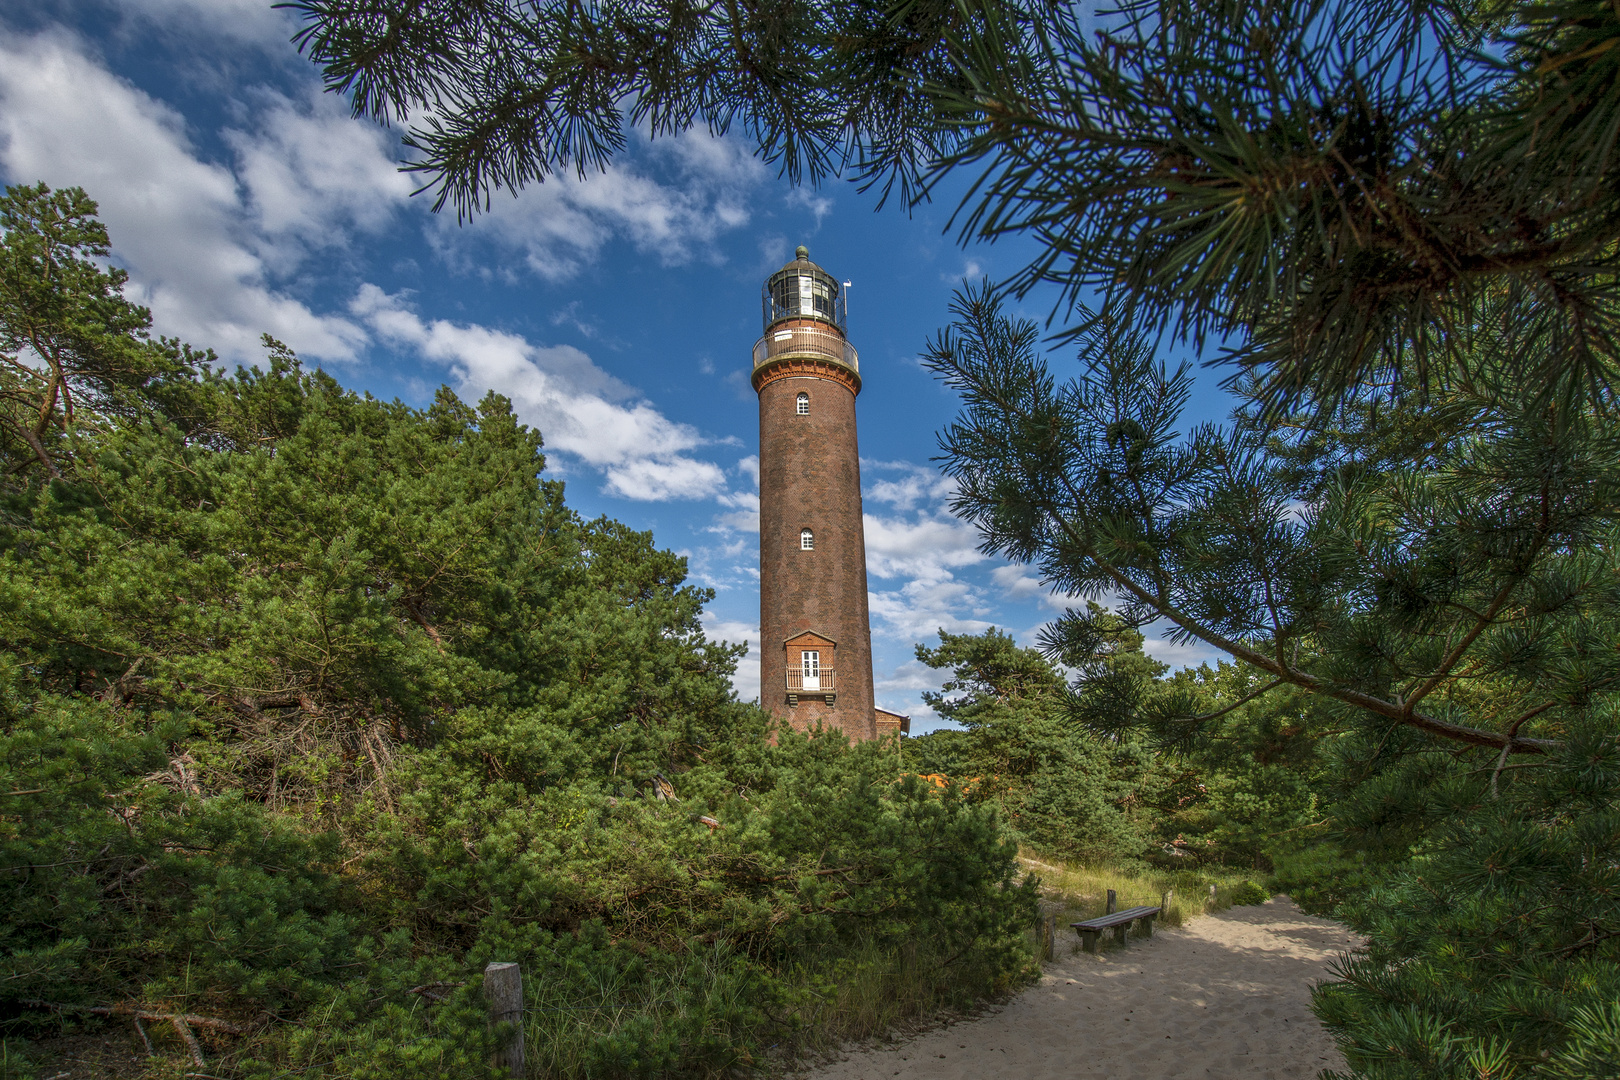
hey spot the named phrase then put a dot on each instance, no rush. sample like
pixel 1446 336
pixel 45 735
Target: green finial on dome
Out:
pixel 801 252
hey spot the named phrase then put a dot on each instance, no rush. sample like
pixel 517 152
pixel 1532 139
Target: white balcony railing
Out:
pixel 807 341
pixel 796 681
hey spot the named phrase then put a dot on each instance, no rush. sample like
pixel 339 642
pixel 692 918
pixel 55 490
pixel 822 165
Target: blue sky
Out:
pixel 617 313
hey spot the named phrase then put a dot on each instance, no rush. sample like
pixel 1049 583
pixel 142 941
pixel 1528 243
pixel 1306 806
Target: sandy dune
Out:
pixel 1226 996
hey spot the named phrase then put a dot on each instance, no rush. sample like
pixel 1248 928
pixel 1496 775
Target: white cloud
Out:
pixel 925 547
pixel 558 226
pixel 256 22
pixel 918 609
pixel 580 409
pixel 746 680
pixel 901 691
pixel 971 272
pixel 916 486
pixel 1016 583
pixel 312 173
pixel 176 221
pixel 744 515
pixel 805 199
pixel 1179 656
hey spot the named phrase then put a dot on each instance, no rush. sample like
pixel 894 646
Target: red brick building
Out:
pixel 817 640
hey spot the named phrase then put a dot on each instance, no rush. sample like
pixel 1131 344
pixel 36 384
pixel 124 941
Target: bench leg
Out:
pixel 1088 940
pixel 1147 927
pixel 1120 931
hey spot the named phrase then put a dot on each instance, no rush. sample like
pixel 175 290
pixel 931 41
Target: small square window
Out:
pixel 807 540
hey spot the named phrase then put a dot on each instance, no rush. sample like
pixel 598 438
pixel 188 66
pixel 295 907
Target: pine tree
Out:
pixel 1059 788
pixel 1440 573
pixel 72 348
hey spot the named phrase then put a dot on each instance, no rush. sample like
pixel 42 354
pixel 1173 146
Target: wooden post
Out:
pixel 1212 896
pixel 503 991
pixel 1164 901
pixel 1051 937
pixel 1113 902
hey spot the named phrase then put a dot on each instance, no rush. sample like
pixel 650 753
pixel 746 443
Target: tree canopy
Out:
pixel 1346 196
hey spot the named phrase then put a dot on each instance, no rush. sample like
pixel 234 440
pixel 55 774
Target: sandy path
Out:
pixel 1226 996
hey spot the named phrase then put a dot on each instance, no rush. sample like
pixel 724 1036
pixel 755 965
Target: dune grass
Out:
pixel 1075 892
pixel 859 991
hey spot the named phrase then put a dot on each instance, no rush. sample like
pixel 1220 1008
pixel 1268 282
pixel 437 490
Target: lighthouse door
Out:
pixel 810 660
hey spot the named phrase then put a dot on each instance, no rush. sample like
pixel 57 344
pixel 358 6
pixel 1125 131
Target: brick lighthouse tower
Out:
pixel 813 621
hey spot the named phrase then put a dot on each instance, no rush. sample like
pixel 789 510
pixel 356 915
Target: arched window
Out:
pixel 804 404
pixel 807 540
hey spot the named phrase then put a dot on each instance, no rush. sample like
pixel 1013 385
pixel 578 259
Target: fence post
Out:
pixel 1113 902
pixel 1051 937
pixel 503 990
pixel 1212 896
pixel 1164 902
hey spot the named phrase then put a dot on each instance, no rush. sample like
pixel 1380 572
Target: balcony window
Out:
pixel 810 669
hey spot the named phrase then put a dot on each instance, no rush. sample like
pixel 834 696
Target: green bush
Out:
pixel 1247 892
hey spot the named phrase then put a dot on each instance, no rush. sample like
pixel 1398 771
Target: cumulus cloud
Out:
pixel 914 486
pixel 901 691
pixel 1179 656
pixel 746 679
pixel 559 226
pixel 580 409
pixel 312 173
pixel 1017 583
pixel 920 607
pixel 255 22
pixel 176 220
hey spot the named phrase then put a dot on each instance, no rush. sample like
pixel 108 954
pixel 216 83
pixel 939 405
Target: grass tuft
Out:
pixel 1075 892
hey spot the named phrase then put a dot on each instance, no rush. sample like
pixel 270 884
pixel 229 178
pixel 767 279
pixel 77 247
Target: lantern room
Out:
pixel 803 290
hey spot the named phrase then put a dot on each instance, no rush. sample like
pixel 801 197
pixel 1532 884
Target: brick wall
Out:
pixel 810 477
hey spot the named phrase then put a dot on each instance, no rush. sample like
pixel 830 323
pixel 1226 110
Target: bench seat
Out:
pixel 1119 922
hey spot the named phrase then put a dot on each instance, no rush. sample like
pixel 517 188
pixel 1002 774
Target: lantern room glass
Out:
pixel 803 290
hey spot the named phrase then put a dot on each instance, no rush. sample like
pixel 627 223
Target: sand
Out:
pixel 1228 995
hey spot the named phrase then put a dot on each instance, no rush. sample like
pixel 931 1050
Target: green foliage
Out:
pixel 1447 608
pixel 1101 793
pixel 1400 223
pixel 71 347
pixel 1341 194
pixel 311 705
pixel 1063 791
pixel 1247 892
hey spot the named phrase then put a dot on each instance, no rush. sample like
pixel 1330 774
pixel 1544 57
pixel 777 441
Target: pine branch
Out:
pixel 139 1014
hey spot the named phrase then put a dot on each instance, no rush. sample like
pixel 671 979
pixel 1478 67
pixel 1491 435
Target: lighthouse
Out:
pixel 814 629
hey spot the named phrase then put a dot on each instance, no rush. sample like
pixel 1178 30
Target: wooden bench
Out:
pixel 1118 921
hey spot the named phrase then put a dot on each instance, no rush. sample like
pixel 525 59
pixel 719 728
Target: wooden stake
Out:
pixel 503 990
pixel 1164 901
pixel 1051 937
pixel 1113 902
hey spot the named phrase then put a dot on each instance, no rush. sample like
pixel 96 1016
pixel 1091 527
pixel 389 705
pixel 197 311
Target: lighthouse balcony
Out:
pixel 799 684
pixel 807 342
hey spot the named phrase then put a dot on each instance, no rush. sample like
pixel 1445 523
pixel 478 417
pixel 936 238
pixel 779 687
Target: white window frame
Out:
pixel 801 404
pixel 807 540
pixel 810 669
